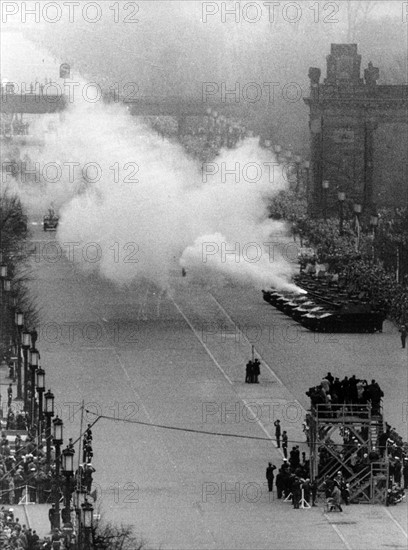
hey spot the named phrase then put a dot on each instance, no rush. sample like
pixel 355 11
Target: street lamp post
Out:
pixel 26 343
pixel 49 413
pixel 58 439
pixel 306 165
pixel 325 185
pixel 342 197
pixel 374 225
pixel 34 355
pixel 68 468
pixel 87 516
pixel 298 160
pixel 40 389
pixel 19 321
pixel 357 211
pixel 80 497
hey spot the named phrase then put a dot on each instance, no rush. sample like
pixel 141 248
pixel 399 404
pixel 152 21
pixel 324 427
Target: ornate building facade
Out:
pixel 359 135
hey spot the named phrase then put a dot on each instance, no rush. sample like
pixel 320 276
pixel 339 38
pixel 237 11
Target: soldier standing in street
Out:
pixel 256 370
pixel 277 432
pixel 270 475
pixel 296 493
pixel 248 373
pixel 313 489
pixel 285 444
pixel 403 331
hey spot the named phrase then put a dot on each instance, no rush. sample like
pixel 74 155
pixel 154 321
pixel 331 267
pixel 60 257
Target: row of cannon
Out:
pixel 321 313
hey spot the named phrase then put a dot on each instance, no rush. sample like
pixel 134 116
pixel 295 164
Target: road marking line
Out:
pixel 266 432
pixel 202 342
pixel 337 530
pixel 170 458
pixel 257 352
pixel 396 523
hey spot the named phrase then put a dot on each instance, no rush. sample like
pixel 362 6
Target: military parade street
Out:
pixel 204 275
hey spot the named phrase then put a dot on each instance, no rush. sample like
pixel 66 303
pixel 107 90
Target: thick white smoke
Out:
pixel 145 207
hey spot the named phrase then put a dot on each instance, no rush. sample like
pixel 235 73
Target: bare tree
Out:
pixel 113 537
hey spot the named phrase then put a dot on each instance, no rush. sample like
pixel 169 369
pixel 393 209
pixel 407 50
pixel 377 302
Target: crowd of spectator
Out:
pixel 358 449
pixel 24 470
pixel 13 535
pixel 350 391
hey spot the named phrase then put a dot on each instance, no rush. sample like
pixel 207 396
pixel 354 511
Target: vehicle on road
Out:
pixel 50 221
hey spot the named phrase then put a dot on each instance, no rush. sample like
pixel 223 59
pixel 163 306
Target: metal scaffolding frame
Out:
pixel 343 434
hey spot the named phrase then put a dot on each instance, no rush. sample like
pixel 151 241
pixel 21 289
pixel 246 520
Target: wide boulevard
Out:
pixel 178 359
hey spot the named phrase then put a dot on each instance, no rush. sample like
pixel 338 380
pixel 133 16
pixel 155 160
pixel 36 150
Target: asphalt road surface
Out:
pixel 139 355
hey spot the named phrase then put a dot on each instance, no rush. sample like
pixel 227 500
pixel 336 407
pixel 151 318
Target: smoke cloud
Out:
pixel 134 206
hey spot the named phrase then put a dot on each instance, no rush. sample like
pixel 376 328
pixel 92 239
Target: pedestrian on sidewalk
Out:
pixel 9 395
pixel 285 444
pixel 277 432
pixel 270 475
pixel 51 516
pixel 403 331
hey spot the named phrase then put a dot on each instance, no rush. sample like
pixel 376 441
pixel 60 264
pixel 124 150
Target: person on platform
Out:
pixel 270 475
pixel 277 432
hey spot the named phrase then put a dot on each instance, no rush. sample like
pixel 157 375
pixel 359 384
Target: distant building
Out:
pixel 359 136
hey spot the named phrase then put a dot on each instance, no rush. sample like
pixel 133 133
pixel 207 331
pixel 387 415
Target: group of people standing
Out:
pixel 253 370
pixel 291 480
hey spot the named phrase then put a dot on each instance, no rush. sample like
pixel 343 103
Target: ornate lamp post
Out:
pixel 87 517
pixel 374 225
pixel 325 186
pixel 58 439
pixel 298 160
pixel 342 197
pixel 68 469
pixel 306 165
pixel 49 413
pixel 79 499
pixel 40 389
pixel 26 343
pixel 34 356
pixel 19 321
pixel 357 211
